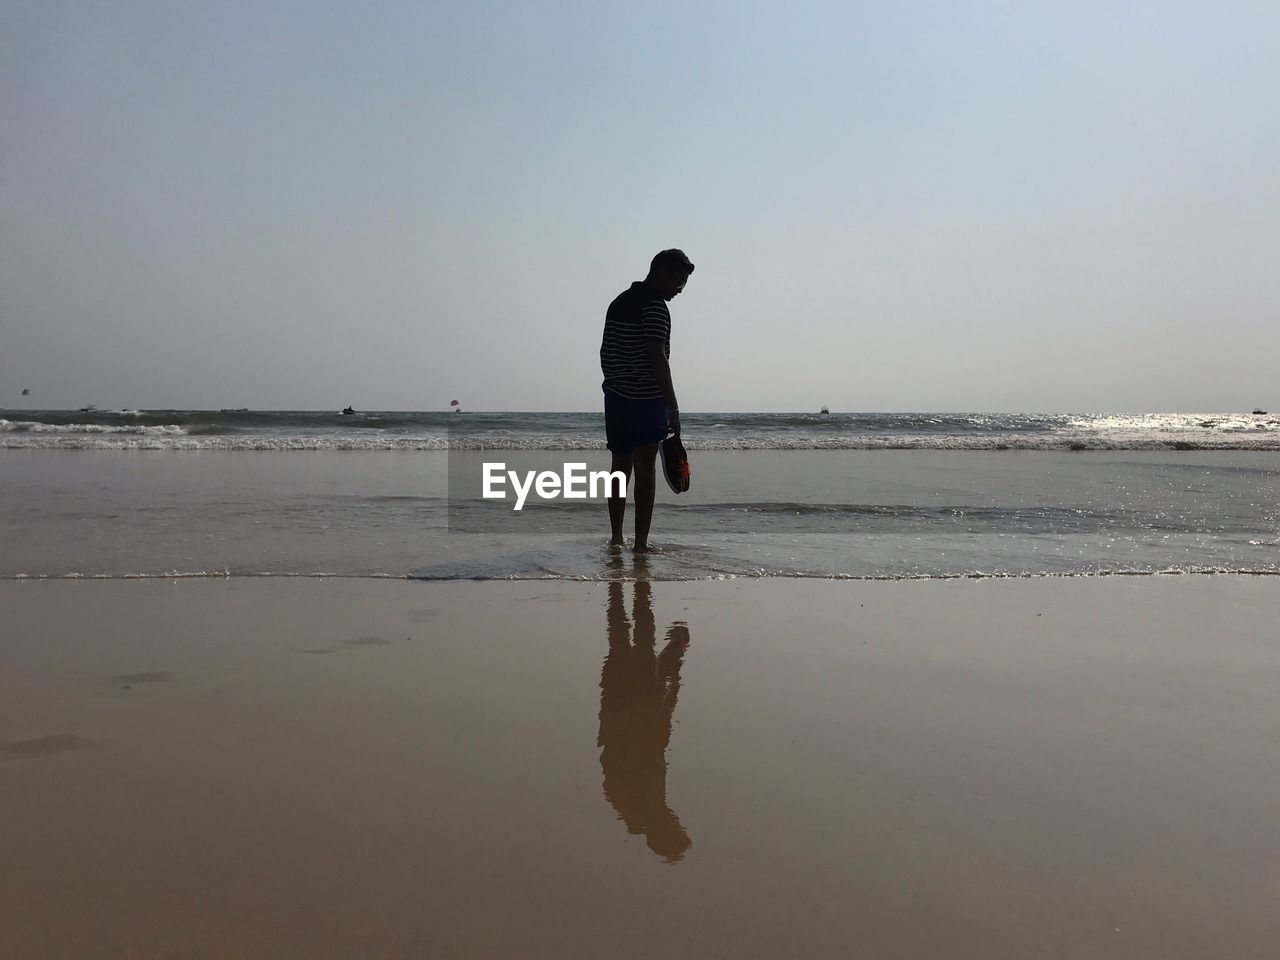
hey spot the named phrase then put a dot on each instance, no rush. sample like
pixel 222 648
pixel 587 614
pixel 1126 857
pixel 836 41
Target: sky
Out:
pixel 903 206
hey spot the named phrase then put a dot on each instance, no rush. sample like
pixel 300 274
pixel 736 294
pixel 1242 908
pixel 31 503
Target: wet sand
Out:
pixel 344 768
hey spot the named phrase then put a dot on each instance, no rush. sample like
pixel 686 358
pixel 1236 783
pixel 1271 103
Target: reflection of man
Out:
pixel 638 689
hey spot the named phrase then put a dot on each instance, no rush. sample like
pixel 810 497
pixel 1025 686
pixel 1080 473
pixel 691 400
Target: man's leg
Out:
pixel 618 504
pixel 643 460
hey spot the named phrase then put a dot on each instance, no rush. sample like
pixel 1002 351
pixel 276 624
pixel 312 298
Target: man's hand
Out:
pixel 662 373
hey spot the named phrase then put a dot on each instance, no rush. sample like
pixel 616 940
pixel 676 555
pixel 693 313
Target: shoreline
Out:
pixel 633 578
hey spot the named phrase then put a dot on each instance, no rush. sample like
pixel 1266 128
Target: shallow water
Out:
pixel 822 513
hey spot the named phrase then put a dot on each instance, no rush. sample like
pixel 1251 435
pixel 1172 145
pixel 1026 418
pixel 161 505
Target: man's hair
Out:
pixel 671 261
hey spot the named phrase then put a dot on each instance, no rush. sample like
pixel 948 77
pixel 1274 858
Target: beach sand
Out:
pixel 363 768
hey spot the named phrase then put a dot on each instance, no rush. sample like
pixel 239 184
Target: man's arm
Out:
pixel 662 373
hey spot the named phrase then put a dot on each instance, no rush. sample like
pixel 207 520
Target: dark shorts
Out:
pixel 633 423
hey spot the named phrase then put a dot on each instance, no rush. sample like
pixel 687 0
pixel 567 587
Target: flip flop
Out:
pixel 675 464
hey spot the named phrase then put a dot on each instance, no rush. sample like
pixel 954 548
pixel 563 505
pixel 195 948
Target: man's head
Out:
pixel 668 272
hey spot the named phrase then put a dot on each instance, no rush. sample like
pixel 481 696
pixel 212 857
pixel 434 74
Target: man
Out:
pixel 640 406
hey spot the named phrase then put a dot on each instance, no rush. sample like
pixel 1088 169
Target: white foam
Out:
pixel 757 574
pixel 32 426
pixel 1107 432
pixel 174 438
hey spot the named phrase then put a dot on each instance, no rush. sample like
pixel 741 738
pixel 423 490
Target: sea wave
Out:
pixel 181 438
pixel 409 431
pixel 1149 423
pixel 89 429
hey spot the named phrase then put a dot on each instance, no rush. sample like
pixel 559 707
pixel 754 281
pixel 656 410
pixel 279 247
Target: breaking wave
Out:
pixel 401 431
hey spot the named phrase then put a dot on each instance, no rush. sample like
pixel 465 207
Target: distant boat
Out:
pixel 89 409
pixel 824 410
pixel 349 412
pixel 1259 412
pixel 234 410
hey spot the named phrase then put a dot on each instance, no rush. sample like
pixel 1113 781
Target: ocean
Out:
pixel 180 493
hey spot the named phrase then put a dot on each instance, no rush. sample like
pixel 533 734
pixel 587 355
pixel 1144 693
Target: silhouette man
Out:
pixel 640 406
pixel 638 689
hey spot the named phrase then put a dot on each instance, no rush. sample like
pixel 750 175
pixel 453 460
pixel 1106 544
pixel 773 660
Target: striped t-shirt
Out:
pixel 636 315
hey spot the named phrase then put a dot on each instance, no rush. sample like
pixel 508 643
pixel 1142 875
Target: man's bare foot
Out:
pixel 616 544
pixel 646 548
